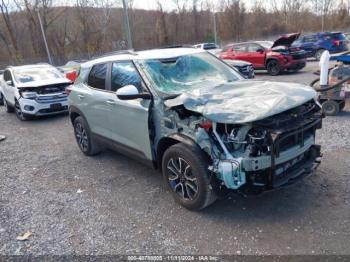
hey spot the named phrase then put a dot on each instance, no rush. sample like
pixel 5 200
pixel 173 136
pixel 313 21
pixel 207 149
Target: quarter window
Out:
pixel 97 76
pixel 125 73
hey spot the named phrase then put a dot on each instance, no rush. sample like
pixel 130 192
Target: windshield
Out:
pixel 178 74
pixel 26 75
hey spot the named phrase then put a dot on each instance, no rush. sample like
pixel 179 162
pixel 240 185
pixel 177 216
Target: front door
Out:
pixel 128 120
pixel 256 55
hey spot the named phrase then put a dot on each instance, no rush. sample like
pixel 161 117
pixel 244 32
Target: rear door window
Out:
pixel 97 76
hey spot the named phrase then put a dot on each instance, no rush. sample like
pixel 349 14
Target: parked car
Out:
pixel 275 57
pixel 34 90
pixel 188 114
pixel 315 44
pixel 206 46
pixel 245 68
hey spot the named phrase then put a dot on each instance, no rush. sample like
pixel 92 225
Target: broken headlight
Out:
pixel 29 95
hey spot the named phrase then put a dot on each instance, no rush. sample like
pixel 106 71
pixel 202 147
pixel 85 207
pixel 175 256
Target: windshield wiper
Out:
pixel 171 96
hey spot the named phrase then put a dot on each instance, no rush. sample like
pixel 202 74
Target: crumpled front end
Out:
pixel 263 154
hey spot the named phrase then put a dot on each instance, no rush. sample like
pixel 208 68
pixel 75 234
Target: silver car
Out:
pixel 188 114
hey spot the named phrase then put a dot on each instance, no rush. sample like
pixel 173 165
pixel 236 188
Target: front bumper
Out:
pixel 31 107
pixel 295 64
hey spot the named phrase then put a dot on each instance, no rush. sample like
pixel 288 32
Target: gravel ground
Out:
pixel 109 204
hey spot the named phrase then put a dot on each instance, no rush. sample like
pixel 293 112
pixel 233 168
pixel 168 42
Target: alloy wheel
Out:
pixel 181 179
pixel 18 111
pixel 81 137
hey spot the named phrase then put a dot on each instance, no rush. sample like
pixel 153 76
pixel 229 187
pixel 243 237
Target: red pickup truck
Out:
pixel 275 57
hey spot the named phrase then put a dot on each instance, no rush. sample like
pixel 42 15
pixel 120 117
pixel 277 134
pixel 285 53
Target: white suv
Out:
pixel 34 90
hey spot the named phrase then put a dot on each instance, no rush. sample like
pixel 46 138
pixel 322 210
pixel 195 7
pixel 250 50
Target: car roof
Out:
pixel 147 54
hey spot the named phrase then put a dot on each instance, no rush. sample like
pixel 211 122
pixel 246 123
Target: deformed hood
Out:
pixel 244 101
pixel 286 40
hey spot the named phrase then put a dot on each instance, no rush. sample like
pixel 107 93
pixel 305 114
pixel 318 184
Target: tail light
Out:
pixel 336 42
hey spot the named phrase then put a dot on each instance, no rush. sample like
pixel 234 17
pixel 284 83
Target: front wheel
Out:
pixel 83 137
pixel 8 108
pixel 273 67
pixel 19 112
pixel 185 170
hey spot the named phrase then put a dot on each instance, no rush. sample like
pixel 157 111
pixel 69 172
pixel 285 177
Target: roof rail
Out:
pixel 120 52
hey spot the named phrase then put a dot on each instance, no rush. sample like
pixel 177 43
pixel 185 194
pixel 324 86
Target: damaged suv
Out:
pixel 190 115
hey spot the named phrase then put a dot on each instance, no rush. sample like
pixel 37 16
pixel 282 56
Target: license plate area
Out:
pixel 57 106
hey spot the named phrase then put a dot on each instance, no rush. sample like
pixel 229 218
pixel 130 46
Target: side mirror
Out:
pixel 9 83
pixel 130 92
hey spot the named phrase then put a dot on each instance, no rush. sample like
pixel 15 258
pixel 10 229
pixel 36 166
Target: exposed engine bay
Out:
pixel 262 154
pixel 44 92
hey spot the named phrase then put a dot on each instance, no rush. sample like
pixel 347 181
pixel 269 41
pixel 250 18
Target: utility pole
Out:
pixel 322 21
pixel 127 25
pixel 44 37
pixel 215 33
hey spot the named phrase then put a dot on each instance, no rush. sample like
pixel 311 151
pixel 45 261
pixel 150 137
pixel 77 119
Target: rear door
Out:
pixel 92 100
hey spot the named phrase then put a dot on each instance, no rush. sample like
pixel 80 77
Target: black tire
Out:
pixel 330 108
pixel 273 67
pixel 341 105
pixel 318 54
pixel 1 99
pixel 19 112
pixel 8 108
pixel 83 137
pixel 185 171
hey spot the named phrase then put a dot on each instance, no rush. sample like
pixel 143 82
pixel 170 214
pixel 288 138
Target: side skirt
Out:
pixel 125 150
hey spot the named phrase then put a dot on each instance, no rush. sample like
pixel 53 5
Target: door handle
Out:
pixel 81 96
pixel 110 102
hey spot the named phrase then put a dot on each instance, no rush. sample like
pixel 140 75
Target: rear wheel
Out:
pixel 273 67
pixel 83 137
pixel 318 54
pixel 330 107
pixel 8 108
pixel 185 170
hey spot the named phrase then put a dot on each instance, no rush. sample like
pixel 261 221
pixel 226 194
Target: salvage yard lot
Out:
pixel 110 204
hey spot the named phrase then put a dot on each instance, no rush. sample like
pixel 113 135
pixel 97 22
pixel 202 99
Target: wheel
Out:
pixel 83 137
pixel 19 112
pixel 185 171
pixel 318 54
pixel 341 105
pixel 273 67
pixel 8 108
pixel 1 99
pixel 330 108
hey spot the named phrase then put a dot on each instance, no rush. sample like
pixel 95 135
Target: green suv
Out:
pixel 190 115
